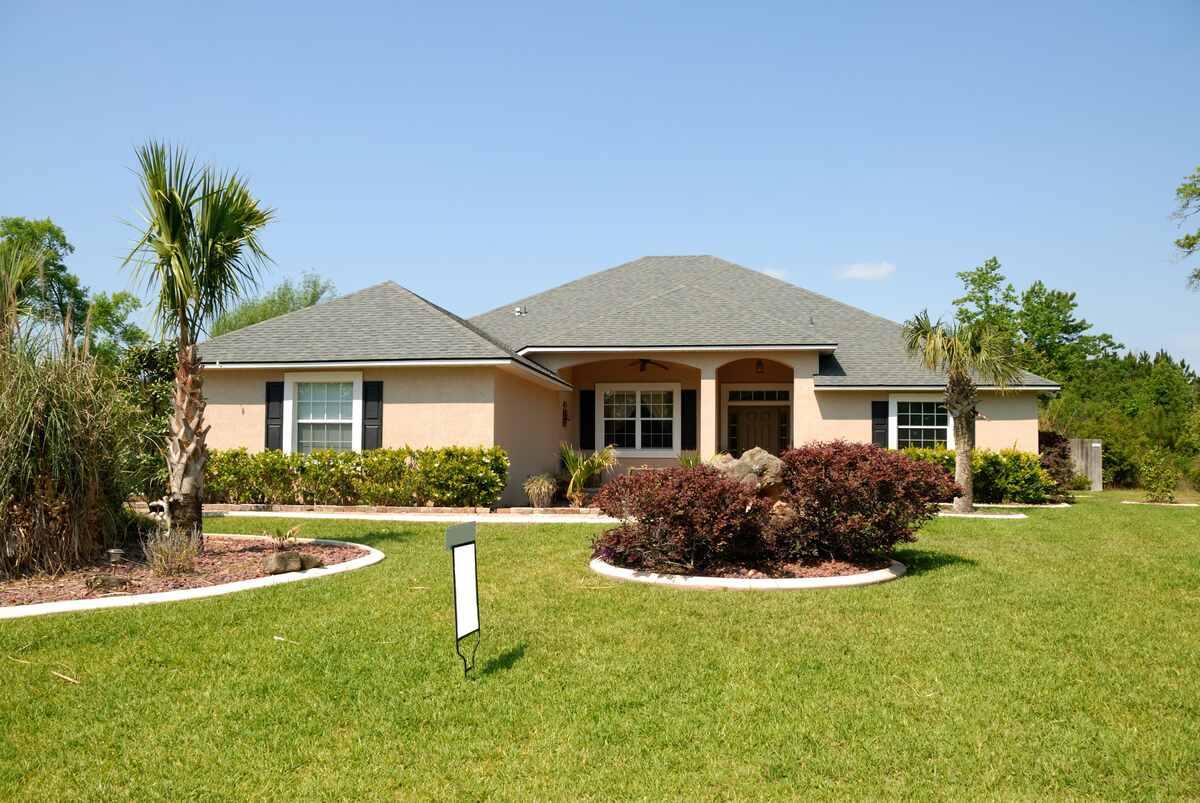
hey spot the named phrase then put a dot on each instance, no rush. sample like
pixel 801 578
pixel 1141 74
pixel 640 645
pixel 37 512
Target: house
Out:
pixel 656 356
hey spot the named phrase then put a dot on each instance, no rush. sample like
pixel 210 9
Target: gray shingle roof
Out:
pixel 382 322
pixel 705 301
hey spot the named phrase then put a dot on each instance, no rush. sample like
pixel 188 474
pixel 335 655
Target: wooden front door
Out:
pixel 758 426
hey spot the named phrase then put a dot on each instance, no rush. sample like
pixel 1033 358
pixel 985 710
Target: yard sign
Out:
pixel 460 540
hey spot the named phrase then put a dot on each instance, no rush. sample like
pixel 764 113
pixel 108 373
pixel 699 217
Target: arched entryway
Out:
pixel 755 405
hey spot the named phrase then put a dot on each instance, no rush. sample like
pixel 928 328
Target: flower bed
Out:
pixel 225 560
pixel 837 508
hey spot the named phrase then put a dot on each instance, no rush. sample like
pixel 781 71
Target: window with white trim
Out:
pixel 324 416
pixel 638 419
pixel 922 424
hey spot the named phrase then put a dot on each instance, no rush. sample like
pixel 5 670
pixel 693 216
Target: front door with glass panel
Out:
pixel 764 427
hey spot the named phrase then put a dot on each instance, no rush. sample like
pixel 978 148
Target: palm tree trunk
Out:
pixel 964 448
pixel 186 452
pixel 961 398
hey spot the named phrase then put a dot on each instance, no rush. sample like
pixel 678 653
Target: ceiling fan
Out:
pixel 642 362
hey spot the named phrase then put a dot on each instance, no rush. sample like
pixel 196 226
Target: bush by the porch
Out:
pixel 681 520
pixel 454 476
pixel 843 501
pixel 1005 476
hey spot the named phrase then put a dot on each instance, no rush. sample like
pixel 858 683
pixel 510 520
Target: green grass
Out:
pixel 1049 658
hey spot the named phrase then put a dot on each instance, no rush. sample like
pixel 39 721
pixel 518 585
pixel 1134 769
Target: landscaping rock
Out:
pixel 310 562
pixel 282 562
pixel 757 468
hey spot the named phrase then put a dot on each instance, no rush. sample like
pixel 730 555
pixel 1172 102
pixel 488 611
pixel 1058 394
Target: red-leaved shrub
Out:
pixel 853 500
pixel 679 520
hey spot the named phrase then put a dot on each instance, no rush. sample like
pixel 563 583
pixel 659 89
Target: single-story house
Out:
pixel 657 356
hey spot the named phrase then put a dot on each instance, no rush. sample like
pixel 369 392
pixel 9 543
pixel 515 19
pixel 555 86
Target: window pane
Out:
pixel 656 434
pixel 657 404
pixel 620 404
pixel 620 433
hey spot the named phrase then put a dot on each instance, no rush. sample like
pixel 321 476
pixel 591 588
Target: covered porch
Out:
pixel 652 405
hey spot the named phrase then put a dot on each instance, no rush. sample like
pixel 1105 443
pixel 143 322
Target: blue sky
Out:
pixel 479 153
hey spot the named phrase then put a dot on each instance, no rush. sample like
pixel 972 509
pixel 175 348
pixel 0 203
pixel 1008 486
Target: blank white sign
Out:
pixel 466 599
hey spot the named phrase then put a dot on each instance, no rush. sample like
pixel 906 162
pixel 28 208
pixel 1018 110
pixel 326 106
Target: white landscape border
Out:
pixel 1159 504
pixel 897 569
pixel 949 514
pixel 372 557
pixel 1018 505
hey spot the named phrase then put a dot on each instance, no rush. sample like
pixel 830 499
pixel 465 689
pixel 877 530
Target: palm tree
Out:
pixel 965 353
pixel 581 469
pixel 200 252
pixel 19 268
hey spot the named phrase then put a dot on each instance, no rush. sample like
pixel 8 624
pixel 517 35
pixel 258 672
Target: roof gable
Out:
pixel 382 322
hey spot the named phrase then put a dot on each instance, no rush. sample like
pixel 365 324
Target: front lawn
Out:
pixel 1044 658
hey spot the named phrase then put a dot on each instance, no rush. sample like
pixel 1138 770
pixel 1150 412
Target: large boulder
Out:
pixel 756 468
pixel 282 562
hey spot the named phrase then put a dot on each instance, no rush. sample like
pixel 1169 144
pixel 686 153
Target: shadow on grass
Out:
pixel 504 660
pixel 924 561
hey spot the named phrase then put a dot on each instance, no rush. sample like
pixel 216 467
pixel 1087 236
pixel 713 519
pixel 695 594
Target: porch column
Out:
pixel 708 411
pixel 806 416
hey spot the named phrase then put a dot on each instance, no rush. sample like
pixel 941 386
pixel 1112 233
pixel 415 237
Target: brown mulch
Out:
pixel 225 560
pixel 782 569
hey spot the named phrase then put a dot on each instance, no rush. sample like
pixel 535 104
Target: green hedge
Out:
pixel 1004 476
pixel 455 476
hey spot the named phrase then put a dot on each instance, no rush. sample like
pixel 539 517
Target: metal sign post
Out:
pixel 460 540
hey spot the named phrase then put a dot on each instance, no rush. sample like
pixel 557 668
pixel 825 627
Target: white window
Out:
pixel 639 420
pixel 322 410
pixel 324 416
pixel 919 421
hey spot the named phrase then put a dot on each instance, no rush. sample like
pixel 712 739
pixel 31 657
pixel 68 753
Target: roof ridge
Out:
pixel 475 330
pixel 576 280
pixel 277 318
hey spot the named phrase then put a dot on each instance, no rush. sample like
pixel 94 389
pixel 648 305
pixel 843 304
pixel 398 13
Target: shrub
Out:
pixel 1160 476
pixel 852 500
pixel 1120 466
pixel 1081 482
pixel 455 476
pixel 690 459
pixel 580 469
pixel 540 489
pixel 1054 452
pixel 282 540
pixel 679 520
pixel 64 458
pixel 171 552
pixel 1005 476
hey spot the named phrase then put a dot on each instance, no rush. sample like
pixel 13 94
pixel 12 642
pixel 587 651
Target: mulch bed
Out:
pixel 225 560
pixel 776 571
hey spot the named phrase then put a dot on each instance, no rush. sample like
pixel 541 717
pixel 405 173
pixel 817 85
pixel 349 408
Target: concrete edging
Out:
pixel 1018 505
pixel 372 557
pixel 948 514
pixel 897 569
pixel 1159 504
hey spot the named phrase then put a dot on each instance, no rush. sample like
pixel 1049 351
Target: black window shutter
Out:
pixel 687 420
pixel 879 423
pixel 587 419
pixel 372 415
pixel 274 415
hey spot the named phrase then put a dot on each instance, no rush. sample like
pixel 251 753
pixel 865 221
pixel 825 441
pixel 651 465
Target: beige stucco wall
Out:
pixel 422 406
pixel 235 410
pixel 528 425
pixel 1007 421
pixel 436 406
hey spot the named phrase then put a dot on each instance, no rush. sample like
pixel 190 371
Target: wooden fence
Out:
pixel 1088 458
